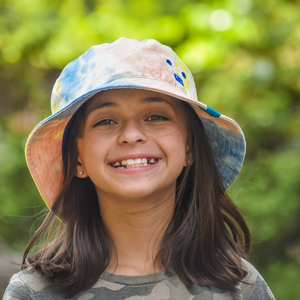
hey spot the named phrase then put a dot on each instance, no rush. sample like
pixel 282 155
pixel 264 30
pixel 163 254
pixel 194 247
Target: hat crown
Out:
pixel 120 61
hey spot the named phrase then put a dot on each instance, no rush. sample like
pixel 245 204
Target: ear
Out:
pixel 80 170
pixel 188 159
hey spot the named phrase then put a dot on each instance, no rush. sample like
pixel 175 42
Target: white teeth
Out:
pixel 130 163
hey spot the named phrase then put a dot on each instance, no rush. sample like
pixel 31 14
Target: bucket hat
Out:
pixel 125 63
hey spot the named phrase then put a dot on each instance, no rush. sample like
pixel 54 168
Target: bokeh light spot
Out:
pixel 220 20
pixel 11 54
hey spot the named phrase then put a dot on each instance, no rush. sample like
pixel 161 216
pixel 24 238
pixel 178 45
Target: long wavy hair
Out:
pixel 203 242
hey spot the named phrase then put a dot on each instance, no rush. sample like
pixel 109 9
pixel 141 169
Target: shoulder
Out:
pixel 253 285
pixel 29 284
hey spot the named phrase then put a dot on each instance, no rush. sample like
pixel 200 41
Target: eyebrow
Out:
pixel 156 100
pixel 99 105
pixel 105 104
pixel 150 100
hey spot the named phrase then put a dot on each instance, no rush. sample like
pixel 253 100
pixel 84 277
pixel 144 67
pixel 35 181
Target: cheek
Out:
pixel 176 146
pixel 96 147
pixel 92 149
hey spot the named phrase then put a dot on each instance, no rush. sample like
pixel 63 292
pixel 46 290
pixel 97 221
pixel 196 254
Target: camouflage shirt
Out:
pixel 162 285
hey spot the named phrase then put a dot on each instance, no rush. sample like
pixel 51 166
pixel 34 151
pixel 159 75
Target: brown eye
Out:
pixel 106 122
pixel 156 118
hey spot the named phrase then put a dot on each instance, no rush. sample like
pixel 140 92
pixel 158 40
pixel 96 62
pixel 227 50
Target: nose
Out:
pixel 132 133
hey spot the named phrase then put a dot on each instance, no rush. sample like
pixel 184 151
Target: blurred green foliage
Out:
pixel 246 59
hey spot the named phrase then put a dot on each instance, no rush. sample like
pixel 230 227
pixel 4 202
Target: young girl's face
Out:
pixel 133 144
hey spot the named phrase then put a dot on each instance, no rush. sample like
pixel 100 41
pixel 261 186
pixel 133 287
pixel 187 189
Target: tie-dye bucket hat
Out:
pixel 125 63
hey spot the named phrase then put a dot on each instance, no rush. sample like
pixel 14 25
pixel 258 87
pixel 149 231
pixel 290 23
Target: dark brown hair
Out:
pixel 203 243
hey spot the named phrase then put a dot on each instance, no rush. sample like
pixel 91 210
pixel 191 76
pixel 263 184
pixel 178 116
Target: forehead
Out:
pixel 130 97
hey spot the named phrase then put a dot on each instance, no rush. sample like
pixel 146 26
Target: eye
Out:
pixel 105 122
pixel 156 118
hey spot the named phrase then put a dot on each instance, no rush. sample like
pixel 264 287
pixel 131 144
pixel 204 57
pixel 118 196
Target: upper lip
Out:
pixel 133 156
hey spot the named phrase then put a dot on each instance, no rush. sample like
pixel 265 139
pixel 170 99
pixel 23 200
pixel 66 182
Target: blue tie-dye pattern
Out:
pixel 108 70
pixel 71 78
pixel 84 69
pixel 86 56
pixel 93 65
pixel 229 158
pixel 69 81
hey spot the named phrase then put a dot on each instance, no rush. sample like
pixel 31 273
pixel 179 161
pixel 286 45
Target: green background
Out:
pixel 245 57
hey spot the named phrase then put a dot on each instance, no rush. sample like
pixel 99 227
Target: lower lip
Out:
pixel 135 169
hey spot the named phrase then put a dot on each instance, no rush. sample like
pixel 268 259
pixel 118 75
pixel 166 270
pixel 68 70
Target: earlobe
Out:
pixel 80 172
pixel 187 163
pixel 188 159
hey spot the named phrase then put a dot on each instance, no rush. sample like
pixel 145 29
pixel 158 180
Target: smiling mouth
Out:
pixel 131 163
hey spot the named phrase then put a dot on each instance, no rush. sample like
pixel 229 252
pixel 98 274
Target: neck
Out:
pixel 136 227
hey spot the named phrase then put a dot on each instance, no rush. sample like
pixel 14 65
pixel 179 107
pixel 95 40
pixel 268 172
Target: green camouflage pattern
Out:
pixel 160 286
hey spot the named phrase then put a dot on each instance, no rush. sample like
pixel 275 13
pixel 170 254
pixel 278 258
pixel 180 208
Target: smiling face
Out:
pixel 133 144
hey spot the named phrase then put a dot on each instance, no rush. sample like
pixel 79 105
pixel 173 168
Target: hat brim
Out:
pixel 44 145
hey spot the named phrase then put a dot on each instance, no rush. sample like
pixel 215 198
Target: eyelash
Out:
pixel 156 118
pixel 106 122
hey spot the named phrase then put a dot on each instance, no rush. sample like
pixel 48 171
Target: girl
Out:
pixel 135 170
